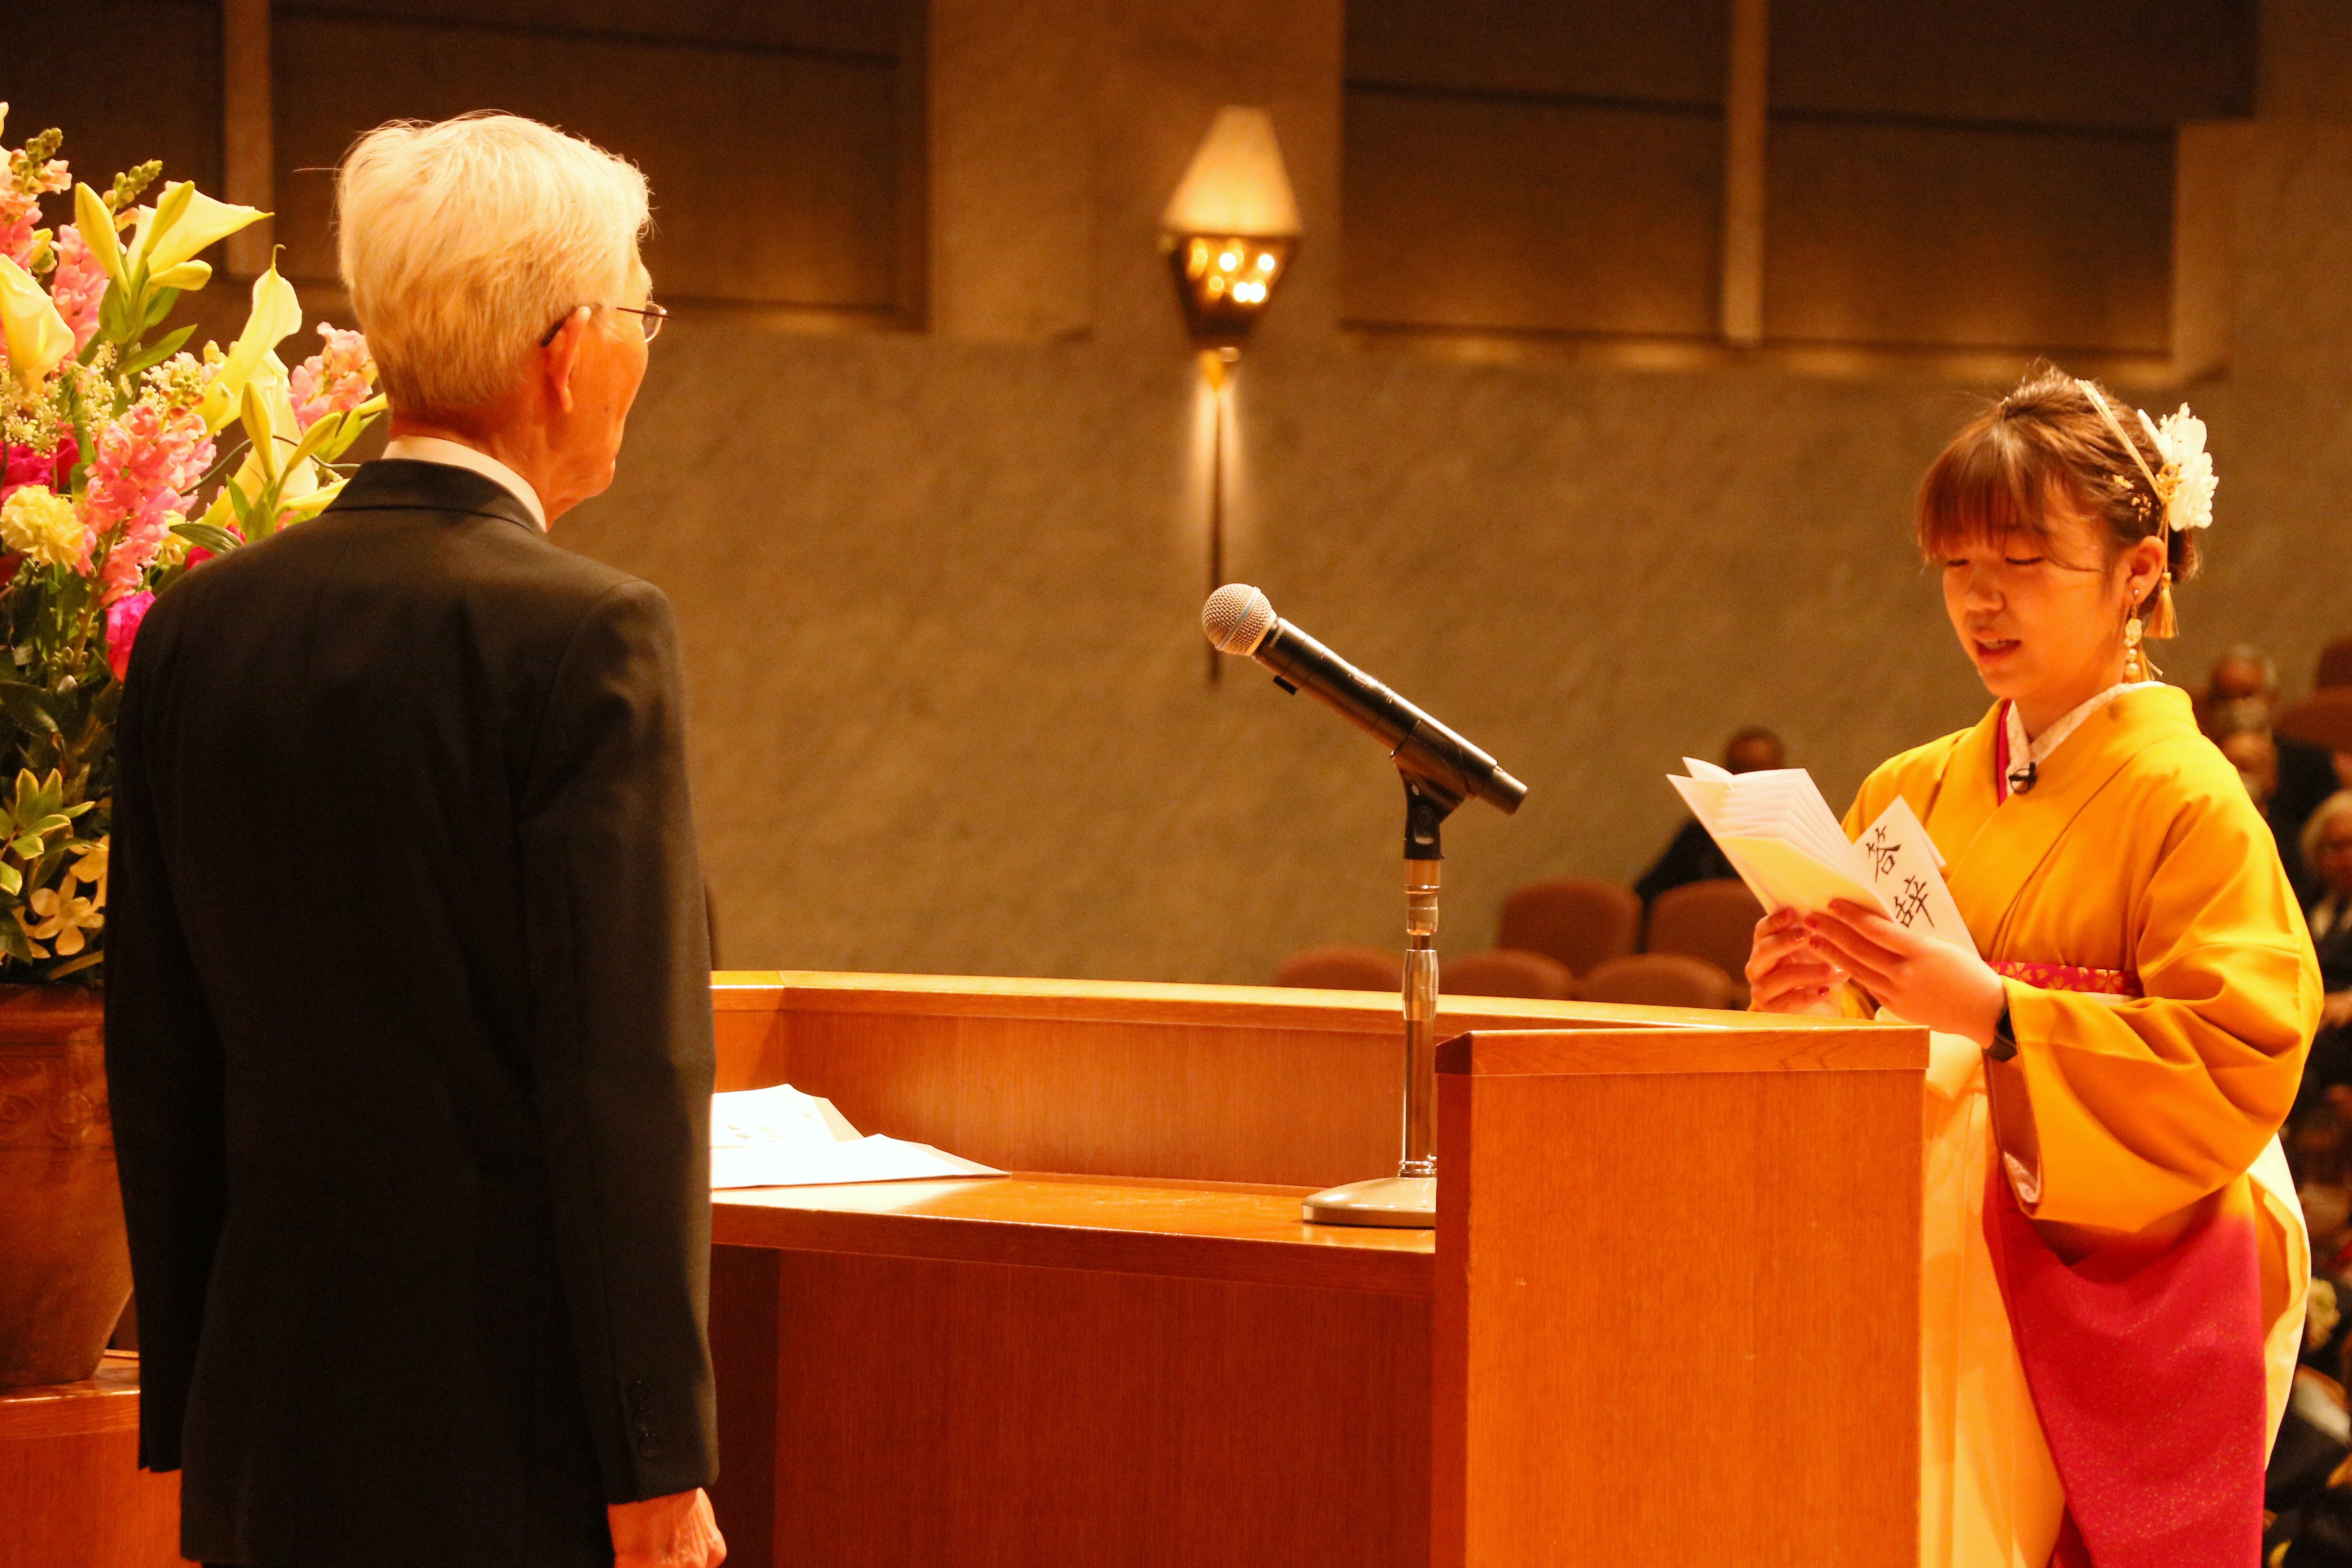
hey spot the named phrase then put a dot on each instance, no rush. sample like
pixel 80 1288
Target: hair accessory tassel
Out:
pixel 2162 621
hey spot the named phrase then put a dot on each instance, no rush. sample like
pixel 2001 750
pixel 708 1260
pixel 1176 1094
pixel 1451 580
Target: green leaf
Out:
pixel 78 962
pixel 26 706
pixel 12 881
pixel 147 359
pixel 219 540
pixel 159 307
pixel 115 319
pixel 13 941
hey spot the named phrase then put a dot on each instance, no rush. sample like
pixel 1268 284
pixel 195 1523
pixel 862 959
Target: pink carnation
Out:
pixel 142 481
pixel 335 380
pixel 24 466
pixel 77 286
pixel 122 619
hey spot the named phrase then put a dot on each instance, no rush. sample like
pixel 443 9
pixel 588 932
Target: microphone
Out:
pixel 1239 619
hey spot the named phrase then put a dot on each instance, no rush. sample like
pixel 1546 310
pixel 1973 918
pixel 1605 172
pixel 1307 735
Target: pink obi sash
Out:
pixel 2146 1368
pixel 2069 977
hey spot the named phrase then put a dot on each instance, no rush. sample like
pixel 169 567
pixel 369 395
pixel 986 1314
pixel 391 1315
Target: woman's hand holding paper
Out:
pixel 1786 971
pixel 1919 979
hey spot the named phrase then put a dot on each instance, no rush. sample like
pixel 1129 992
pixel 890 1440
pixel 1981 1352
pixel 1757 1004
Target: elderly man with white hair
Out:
pixel 408 1028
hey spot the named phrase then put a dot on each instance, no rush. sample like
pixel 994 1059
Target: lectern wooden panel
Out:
pixel 1220 1083
pixel 1678 1308
pixel 1673 1320
pixel 1066 1371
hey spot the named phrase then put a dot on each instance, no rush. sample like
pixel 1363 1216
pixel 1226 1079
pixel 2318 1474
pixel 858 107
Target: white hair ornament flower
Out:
pixel 2187 481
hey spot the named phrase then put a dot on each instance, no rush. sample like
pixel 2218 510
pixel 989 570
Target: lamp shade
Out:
pixel 1230 228
pixel 1235 184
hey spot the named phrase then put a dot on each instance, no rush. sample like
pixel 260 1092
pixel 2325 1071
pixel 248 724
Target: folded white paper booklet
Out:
pixel 1786 844
pixel 781 1138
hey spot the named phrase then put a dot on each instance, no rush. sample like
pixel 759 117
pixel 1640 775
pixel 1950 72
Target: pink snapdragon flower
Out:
pixel 20 203
pixel 16 235
pixel 25 466
pixel 77 286
pixel 336 379
pixel 122 619
pixel 142 481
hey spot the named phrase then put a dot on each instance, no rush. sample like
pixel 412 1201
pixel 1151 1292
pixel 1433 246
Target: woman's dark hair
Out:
pixel 2046 440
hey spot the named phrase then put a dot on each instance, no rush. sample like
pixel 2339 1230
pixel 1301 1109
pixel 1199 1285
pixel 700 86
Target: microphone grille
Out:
pixel 1236 618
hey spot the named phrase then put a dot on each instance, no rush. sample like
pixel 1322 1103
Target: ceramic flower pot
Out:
pixel 65 1269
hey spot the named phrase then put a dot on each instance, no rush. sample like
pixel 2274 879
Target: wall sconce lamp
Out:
pixel 1228 233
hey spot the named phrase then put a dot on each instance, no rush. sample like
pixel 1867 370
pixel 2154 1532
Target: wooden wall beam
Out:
pixel 248 149
pixel 1746 108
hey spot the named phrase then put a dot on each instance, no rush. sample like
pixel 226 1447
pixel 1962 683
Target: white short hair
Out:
pixel 2327 813
pixel 461 244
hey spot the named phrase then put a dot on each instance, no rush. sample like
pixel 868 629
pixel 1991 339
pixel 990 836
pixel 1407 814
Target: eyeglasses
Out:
pixel 650 317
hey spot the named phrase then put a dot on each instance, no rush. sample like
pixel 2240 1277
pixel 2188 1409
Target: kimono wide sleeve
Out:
pixel 2145 1106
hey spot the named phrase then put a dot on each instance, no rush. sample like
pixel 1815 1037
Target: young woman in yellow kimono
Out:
pixel 2114 1259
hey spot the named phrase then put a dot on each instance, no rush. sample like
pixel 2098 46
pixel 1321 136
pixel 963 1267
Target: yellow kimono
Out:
pixel 2136 852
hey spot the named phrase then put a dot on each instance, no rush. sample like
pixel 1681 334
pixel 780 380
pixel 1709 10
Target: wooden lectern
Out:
pixel 1670 1313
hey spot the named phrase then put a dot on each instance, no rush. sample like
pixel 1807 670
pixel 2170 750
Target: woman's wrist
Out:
pixel 1993 1013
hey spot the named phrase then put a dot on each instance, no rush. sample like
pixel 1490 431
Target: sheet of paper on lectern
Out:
pixel 1787 845
pixel 781 1138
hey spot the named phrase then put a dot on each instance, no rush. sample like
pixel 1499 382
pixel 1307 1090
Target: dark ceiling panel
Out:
pixel 2121 63
pixel 1669 51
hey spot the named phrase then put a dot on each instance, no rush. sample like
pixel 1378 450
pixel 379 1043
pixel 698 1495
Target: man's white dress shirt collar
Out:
pixel 433 450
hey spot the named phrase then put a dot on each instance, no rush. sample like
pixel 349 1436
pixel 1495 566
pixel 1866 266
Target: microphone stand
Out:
pixel 1407 1200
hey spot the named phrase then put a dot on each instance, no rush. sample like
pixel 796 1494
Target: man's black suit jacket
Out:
pixel 409 1040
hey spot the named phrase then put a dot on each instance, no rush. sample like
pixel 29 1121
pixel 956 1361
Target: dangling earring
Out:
pixel 2134 662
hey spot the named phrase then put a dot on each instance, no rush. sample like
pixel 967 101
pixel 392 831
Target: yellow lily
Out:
pixel 97 225
pixel 36 335
pixel 279 462
pixel 276 314
pixel 187 275
pixel 185 221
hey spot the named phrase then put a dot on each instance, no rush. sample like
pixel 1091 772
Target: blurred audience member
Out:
pixel 2245 737
pixel 1693 856
pixel 2254 751
pixel 2327 847
pixel 2241 697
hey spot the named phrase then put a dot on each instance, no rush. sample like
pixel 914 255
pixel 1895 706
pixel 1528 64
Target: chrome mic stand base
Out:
pixel 1397 1203
pixel 1407 1200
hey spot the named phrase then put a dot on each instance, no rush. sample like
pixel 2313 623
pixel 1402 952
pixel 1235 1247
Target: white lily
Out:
pixel 36 336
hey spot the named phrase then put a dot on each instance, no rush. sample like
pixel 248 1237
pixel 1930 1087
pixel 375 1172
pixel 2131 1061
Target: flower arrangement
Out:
pixel 126 460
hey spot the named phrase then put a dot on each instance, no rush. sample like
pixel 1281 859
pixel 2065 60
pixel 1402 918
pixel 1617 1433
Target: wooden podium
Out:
pixel 1670 1314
